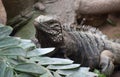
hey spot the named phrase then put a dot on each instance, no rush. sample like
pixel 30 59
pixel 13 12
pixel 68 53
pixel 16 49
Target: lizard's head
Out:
pixel 48 30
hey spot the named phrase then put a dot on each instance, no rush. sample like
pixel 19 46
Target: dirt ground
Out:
pixel 112 31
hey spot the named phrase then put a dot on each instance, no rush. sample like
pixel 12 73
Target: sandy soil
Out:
pixel 110 30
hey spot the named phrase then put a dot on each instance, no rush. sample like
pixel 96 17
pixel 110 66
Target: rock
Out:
pixel 63 9
pixel 3 16
pixel 15 7
pixel 96 11
pixel 98 6
pixel 39 6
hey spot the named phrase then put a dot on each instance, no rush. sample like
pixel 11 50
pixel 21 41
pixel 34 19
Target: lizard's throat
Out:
pixel 48 40
pixel 57 38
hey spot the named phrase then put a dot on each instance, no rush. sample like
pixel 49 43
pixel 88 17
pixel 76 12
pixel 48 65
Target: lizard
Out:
pixel 85 47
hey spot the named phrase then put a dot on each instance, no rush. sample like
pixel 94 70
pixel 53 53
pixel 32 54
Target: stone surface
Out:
pixel 39 6
pixel 15 7
pixel 3 16
pixel 63 9
pixel 96 11
pixel 98 6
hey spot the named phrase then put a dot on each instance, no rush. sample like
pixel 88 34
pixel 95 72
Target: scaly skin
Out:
pixel 84 47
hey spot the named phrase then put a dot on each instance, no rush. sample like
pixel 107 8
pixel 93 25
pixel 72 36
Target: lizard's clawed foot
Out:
pixel 106 64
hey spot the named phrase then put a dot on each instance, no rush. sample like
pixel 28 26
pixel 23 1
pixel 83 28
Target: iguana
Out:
pixel 85 47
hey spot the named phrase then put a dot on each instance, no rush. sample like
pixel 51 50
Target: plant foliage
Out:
pixel 20 58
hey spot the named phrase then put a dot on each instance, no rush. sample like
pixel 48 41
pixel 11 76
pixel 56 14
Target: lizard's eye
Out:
pixel 55 26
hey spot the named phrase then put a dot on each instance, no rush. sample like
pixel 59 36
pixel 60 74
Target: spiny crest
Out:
pixel 84 28
pixel 69 27
pixel 90 29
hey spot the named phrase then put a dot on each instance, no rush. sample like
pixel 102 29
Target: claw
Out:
pixel 106 64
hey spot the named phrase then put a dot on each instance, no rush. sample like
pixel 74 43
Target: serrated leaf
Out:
pixel 30 68
pixel 8 72
pixel 70 66
pixel 15 51
pixel 5 31
pixel 47 60
pixel 39 52
pixel 8 41
pixel 2 68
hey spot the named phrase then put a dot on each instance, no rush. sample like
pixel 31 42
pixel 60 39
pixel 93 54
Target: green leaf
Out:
pixel 47 60
pixel 14 62
pixel 70 66
pixel 15 51
pixel 5 31
pixel 96 71
pixel 56 74
pixel 111 22
pixel 8 41
pixel 47 74
pixel 2 68
pixel 99 74
pixel 25 75
pixel 67 71
pixel 28 45
pixel 30 68
pixel 8 72
pixel 39 52
pixel 83 72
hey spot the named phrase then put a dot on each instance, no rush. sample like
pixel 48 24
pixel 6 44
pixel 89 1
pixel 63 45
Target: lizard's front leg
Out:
pixel 106 62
